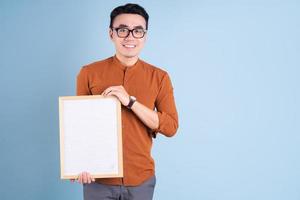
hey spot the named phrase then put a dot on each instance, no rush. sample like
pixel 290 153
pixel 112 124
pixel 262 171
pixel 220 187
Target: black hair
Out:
pixel 129 8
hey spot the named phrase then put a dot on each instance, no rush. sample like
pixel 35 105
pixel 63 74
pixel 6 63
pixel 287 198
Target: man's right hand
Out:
pixel 84 178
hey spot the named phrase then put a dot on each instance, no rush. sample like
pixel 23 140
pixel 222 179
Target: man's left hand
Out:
pixel 119 92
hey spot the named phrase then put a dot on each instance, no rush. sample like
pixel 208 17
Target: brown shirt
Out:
pixel 152 87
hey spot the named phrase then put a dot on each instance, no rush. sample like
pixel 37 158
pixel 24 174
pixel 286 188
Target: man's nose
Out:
pixel 130 36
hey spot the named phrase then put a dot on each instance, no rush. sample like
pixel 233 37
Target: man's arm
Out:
pixel 166 108
pixel 146 115
pixel 164 120
pixel 82 85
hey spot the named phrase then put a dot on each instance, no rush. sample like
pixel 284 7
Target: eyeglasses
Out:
pixel 137 33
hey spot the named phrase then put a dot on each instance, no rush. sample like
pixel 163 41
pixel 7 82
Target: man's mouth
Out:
pixel 129 45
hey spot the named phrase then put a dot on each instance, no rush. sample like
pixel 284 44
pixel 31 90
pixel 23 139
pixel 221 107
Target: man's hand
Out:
pixel 83 178
pixel 147 116
pixel 119 92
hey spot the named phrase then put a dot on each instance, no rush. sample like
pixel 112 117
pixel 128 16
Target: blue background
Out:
pixel 235 69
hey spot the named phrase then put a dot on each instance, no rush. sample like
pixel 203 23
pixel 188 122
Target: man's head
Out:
pixel 128 26
pixel 129 9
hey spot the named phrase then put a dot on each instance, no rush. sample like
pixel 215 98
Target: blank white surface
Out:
pixel 90 136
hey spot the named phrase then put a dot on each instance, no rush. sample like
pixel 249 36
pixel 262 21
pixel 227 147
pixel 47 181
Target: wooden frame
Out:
pixel 85 122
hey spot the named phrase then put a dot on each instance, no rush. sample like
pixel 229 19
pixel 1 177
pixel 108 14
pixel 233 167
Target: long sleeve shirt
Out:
pixel 152 87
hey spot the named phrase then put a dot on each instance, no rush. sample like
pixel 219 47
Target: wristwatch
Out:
pixel 132 99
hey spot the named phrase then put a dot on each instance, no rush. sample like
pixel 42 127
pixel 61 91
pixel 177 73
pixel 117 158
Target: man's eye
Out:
pixel 122 30
pixel 138 30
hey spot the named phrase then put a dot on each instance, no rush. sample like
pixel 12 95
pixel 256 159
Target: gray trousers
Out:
pixel 97 191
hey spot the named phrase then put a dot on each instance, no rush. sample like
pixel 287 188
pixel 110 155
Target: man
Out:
pixel 148 106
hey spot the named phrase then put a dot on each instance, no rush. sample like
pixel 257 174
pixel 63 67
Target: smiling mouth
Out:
pixel 129 45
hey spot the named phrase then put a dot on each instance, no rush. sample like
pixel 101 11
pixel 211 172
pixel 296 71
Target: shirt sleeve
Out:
pixel 166 109
pixel 83 83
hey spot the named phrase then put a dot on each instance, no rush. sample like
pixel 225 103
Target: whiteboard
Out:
pixel 90 136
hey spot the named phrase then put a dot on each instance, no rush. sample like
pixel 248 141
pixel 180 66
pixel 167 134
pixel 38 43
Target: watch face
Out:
pixel 133 98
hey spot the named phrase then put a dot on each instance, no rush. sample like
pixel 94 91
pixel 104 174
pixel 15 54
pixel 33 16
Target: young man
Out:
pixel 148 106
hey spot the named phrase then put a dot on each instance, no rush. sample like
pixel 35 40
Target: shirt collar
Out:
pixel 117 63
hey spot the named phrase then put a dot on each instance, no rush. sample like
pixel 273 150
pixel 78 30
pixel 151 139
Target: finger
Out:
pixel 114 88
pixel 92 178
pixel 123 98
pixel 109 92
pixel 114 93
pixel 84 177
pixel 79 178
pixel 105 91
pixel 87 176
pixel 89 179
pixel 120 88
pixel 110 88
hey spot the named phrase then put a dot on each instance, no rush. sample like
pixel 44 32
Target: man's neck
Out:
pixel 128 62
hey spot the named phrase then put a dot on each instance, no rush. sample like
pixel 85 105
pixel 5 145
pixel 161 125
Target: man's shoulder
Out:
pixel 154 69
pixel 98 64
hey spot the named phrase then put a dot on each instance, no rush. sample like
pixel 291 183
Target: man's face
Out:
pixel 128 47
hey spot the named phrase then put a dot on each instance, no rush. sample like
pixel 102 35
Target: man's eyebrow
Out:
pixel 123 26
pixel 141 27
pixel 126 26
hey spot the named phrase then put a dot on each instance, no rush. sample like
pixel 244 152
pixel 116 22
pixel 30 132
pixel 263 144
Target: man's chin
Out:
pixel 130 55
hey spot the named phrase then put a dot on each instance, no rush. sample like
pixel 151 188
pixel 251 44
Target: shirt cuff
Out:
pixel 155 131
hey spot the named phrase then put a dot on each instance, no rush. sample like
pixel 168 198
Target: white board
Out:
pixel 90 136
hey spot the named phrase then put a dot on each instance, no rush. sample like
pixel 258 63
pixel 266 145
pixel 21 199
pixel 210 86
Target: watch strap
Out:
pixel 131 102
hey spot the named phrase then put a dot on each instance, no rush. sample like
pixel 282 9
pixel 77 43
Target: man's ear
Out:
pixel 110 33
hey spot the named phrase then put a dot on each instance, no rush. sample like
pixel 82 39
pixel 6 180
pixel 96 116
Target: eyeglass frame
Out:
pixel 129 31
